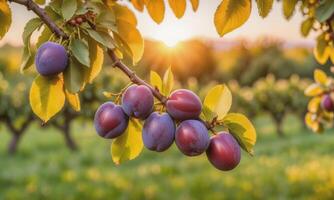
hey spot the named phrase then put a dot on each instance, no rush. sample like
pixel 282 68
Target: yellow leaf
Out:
pixel 155 80
pixel 138 4
pixel 332 54
pixel 156 9
pixel 242 129
pixel 5 17
pixel 264 7
pixel 313 90
pixel 194 4
pixel 168 82
pixel 47 96
pixel 218 101
pixel 96 61
pixel 231 14
pixel 313 105
pixel 321 58
pixel 178 7
pixel 125 14
pixel 320 76
pixel 129 145
pixel 73 100
pixel 132 37
pixel 310 122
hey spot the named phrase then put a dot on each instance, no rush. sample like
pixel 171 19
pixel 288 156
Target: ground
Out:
pixel 299 166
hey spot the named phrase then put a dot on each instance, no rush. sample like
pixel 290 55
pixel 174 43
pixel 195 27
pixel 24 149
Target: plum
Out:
pixel 137 101
pixel 51 59
pixel 184 104
pixel 327 103
pixel 191 137
pixel 224 151
pixel 158 132
pixel 110 120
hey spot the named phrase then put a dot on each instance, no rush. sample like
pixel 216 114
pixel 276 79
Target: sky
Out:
pixel 199 24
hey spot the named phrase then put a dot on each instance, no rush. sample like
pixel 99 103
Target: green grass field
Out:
pixel 299 166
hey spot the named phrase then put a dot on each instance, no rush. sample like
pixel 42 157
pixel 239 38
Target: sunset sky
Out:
pixel 199 24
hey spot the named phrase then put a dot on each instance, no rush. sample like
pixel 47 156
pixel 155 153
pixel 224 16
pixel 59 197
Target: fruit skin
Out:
pixel 192 138
pixel 51 59
pixel 224 151
pixel 158 132
pixel 137 101
pixel 110 120
pixel 327 103
pixel 184 104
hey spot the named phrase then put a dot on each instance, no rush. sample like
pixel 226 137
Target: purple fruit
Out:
pixel 327 103
pixel 138 101
pixel 224 151
pixel 192 137
pixel 51 59
pixel 158 132
pixel 110 120
pixel 184 104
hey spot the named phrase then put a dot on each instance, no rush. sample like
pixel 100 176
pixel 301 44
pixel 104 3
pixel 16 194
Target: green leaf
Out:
pixel 231 14
pixel 74 77
pixel 98 38
pixel 27 59
pixel 96 58
pixel 29 28
pixel 80 51
pixel 168 82
pixel 242 130
pixel 325 10
pixel 47 96
pixel 44 37
pixel 68 8
pixel 178 7
pixel 289 7
pixel 217 102
pixel 5 18
pixel 155 80
pixel 264 7
pixel 306 26
pixel 40 2
pixel 129 145
pixel 156 9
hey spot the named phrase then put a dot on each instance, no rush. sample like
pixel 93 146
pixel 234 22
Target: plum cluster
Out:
pixel 160 131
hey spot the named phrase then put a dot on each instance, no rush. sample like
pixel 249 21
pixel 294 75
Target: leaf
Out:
pixel 47 97
pixel 194 4
pixel 306 26
pixel 314 104
pixel 40 2
pixel 129 145
pixel 68 8
pixel 80 51
pixel 264 7
pixel 168 82
pixel 5 18
pixel 45 35
pixel 313 90
pixel 138 4
pixel 156 9
pixel 73 100
pixel 178 7
pixel 155 80
pixel 96 58
pixel 218 102
pixel 325 10
pixel 242 130
pixel 29 28
pixel 27 60
pixel 289 8
pixel 73 76
pixel 321 51
pixel 98 38
pixel 311 123
pixel 320 77
pixel 231 14
pixel 133 39
pixel 125 14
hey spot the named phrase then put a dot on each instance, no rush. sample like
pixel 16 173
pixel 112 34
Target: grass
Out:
pixel 299 166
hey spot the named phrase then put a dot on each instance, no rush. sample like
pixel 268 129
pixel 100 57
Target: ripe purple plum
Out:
pixel 224 151
pixel 137 101
pixel 158 132
pixel 51 59
pixel 327 103
pixel 192 137
pixel 110 120
pixel 184 104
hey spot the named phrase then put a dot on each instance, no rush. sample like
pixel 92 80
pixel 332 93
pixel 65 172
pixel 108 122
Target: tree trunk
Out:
pixel 70 143
pixel 13 145
pixel 279 128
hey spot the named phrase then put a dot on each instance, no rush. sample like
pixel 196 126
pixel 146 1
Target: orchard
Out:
pixel 67 45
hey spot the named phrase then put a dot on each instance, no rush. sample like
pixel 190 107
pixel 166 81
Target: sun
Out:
pixel 171 42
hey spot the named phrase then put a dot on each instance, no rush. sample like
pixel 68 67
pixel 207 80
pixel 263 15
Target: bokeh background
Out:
pixel 266 67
